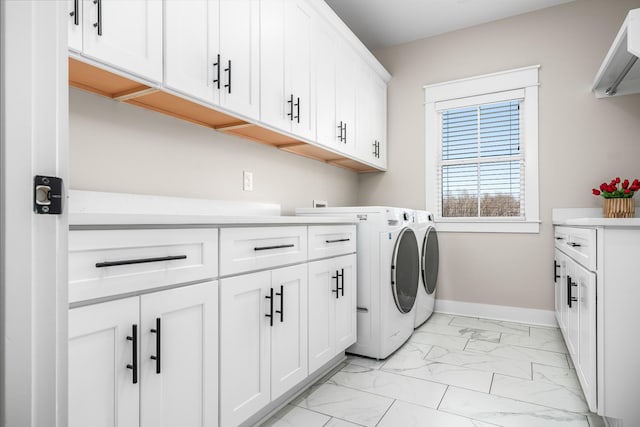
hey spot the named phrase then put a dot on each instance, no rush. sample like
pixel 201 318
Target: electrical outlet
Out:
pixel 247 181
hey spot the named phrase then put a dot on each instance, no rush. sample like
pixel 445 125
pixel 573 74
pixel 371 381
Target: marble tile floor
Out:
pixel 453 372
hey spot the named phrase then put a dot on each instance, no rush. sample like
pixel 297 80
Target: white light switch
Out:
pixel 247 181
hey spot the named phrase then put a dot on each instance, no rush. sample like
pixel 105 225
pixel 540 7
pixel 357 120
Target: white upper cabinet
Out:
pixel 371 117
pixel 285 68
pixel 74 25
pixel 346 68
pixel 123 34
pixel 211 52
pixel 324 46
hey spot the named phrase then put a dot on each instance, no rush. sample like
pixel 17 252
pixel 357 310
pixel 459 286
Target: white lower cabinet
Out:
pixel 149 360
pixel 332 308
pixel 263 339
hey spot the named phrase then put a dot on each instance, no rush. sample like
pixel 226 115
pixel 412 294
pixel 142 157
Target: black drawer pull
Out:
pixel 134 353
pixel 337 240
pixel 266 248
pixel 555 271
pixel 156 331
pixel 217 67
pixel 574 245
pixel 270 298
pixel 139 261
pixel 559 238
pixel 98 25
pixel 75 14
pixel 281 311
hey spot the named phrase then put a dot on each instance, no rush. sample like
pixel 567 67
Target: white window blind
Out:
pixel 481 163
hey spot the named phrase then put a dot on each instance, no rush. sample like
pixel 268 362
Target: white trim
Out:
pixel 497 312
pixel 34 275
pixel 455 93
pixel 488 226
pixel 474 101
pixel 479 85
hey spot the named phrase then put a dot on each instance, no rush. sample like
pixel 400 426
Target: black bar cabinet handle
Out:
pixel 559 238
pixel 134 353
pixel 139 261
pixel 266 248
pixel 340 129
pixel 281 295
pixel 345 132
pixel 574 245
pixel 338 240
pixel 290 113
pixel 555 271
pixel 75 14
pixel 342 280
pixel 270 298
pixel 98 24
pixel 570 297
pixel 337 289
pixel 228 70
pixel 297 116
pixel 156 357
pixel 217 66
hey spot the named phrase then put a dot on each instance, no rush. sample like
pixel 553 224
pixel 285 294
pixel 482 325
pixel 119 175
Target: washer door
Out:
pixel 430 260
pixel 405 270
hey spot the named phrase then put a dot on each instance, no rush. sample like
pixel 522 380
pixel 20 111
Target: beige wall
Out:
pixel 582 140
pixel 120 148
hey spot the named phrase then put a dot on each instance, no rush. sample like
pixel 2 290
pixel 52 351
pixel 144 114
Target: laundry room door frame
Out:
pixel 34 114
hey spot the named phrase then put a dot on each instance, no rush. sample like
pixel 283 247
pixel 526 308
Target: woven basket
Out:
pixel 619 208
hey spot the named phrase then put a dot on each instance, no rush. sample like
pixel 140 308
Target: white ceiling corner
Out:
pixel 382 23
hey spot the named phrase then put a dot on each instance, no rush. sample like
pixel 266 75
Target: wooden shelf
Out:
pixel 105 83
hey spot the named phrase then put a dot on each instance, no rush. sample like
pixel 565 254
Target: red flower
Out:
pixel 595 192
pixel 603 186
pixel 635 181
pixel 627 191
pixel 611 188
pixel 625 184
pixel 635 187
pixel 618 180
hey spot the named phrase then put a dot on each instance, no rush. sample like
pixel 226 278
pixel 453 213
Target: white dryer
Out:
pixel 429 260
pixel 388 276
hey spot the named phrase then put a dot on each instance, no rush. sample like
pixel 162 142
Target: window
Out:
pixel 481 146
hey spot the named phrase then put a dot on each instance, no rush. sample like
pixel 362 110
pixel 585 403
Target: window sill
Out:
pixel 488 226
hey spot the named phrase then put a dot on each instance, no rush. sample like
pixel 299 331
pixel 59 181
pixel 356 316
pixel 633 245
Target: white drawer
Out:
pixel 579 244
pixel 331 240
pixel 111 262
pixel 255 248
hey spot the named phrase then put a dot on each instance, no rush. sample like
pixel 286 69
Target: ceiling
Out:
pixel 382 23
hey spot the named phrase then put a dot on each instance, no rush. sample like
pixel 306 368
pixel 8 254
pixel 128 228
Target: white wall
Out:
pixel 582 141
pixel 121 148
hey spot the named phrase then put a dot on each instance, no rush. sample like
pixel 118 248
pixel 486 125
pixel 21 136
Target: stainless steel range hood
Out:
pixel 619 73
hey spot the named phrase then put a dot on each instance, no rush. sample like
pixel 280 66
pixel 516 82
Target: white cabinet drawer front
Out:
pixel 255 248
pixel 579 244
pixel 111 262
pixel 328 241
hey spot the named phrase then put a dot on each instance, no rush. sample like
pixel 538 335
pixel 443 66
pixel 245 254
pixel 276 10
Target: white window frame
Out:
pixel 488 86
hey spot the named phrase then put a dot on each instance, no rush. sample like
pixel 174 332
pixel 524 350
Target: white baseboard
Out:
pixel 497 312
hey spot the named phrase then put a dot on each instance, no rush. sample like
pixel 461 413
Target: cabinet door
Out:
pixel 379 90
pixel 345 312
pixel 346 97
pixel 289 363
pixel 586 366
pixel 101 388
pixel 365 115
pixel 180 330
pixel 322 319
pixel 74 33
pixel 560 280
pixel 298 27
pixel 245 348
pixel 191 48
pixel 273 105
pixel 573 311
pixel 125 34
pixel 324 46
pixel 239 26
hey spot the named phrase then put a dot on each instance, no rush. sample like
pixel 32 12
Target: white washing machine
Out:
pixel 388 276
pixel 429 260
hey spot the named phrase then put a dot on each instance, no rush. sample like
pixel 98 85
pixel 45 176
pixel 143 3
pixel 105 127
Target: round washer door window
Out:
pixel 405 270
pixel 430 260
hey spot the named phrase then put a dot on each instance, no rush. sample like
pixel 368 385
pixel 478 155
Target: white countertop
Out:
pixel 590 217
pixel 82 220
pixel 94 209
